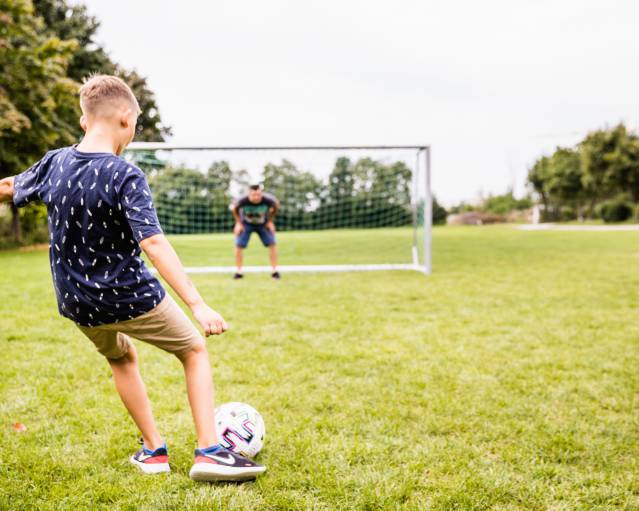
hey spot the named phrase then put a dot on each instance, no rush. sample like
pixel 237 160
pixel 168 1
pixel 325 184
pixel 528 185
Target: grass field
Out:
pixel 506 380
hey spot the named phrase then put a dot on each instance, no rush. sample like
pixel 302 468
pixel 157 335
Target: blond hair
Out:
pixel 99 90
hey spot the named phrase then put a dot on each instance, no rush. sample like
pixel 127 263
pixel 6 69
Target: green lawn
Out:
pixel 506 380
pixel 344 246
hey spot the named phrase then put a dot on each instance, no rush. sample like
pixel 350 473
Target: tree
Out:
pixel 188 200
pixel 538 177
pixel 298 192
pixel 366 193
pixel 337 197
pixel 564 184
pixel 381 194
pixel 38 103
pixel 610 163
pixel 439 213
pixel 73 22
pixel 602 168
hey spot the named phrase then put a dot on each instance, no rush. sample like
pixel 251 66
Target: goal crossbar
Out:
pixel 164 146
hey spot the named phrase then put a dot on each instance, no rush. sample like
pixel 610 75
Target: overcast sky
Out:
pixel 490 85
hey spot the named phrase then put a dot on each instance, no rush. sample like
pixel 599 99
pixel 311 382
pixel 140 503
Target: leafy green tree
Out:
pixel 367 193
pixel 565 182
pixel 337 197
pixel 73 22
pixel 602 168
pixel 610 163
pixel 557 179
pixel 298 192
pixel 538 177
pixel 439 213
pixel 38 104
pixel 191 201
pixel 381 194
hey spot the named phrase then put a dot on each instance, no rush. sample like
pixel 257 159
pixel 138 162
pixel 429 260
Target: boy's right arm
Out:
pixel 6 189
pixel 168 264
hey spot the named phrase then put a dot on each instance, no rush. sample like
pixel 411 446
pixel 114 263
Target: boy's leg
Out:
pixel 119 351
pixel 168 327
pixel 129 384
pixel 199 386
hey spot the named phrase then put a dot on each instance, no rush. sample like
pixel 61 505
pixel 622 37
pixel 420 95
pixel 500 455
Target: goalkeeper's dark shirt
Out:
pixel 255 214
pixel 99 209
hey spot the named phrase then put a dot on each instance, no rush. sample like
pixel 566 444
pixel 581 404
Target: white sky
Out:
pixel 490 85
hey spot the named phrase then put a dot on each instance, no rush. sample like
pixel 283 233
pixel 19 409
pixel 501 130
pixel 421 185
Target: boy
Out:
pixel 255 211
pixel 100 214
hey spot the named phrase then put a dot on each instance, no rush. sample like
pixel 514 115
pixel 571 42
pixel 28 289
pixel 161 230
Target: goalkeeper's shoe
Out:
pixel 276 275
pixel 238 276
pixel 218 464
pixel 152 462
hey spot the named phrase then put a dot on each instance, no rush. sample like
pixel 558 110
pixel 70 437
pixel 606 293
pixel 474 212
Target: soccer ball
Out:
pixel 240 428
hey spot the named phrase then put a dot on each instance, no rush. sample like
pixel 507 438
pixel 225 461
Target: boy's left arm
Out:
pixel 168 264
pixel 6 189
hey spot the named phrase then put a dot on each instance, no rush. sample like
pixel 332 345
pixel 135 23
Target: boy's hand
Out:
pixel 238 229
pixel 6 189
pixel 212 322
pixel 270 226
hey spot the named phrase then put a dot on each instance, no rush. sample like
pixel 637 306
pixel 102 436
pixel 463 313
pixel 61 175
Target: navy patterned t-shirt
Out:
pixel 99 209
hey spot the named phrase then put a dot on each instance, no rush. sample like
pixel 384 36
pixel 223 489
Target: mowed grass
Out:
pixel 506 380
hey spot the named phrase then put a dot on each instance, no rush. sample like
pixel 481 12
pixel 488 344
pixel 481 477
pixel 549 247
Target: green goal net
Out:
pixel 346 195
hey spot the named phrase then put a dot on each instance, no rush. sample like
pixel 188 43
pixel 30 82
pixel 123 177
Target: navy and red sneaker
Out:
pixel 152 462
pixel 219 464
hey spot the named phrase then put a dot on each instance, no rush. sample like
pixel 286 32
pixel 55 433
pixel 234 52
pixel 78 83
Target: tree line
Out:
pixel 596 178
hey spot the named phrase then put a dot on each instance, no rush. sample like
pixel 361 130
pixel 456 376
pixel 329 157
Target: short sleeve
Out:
pixel 29 186
pixel 269 200
pixel 241 202
pixel 137 204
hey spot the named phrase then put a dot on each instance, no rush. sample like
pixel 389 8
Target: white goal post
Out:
pixel 381 190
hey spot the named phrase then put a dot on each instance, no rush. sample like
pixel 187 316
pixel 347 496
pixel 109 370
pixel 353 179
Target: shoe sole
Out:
pixel 213 472
pixel 151 468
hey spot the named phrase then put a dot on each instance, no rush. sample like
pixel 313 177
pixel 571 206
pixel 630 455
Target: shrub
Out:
pixel 567 213
pixel 615 210
pixel 505 203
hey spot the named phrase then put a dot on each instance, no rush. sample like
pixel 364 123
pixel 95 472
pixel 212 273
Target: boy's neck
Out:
pixel 98 140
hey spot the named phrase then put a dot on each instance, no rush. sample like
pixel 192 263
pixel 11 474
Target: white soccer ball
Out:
pixel 240 428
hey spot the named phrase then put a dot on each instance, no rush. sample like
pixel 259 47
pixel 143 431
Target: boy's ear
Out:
pixel 83 123
pixel 125 118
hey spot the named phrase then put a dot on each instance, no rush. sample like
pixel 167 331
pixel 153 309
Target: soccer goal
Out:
pixel 351 208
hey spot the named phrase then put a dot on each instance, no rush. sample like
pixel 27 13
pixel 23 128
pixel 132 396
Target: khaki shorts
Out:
pixel 166 327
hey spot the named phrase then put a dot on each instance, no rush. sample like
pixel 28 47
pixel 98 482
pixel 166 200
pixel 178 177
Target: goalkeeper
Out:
pixel 255 212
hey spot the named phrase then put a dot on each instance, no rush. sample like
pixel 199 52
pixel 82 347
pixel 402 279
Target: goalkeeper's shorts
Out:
pixel 266 235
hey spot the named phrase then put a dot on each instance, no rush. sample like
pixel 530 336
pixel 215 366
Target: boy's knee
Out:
pixel 130 357
pixel 196 349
